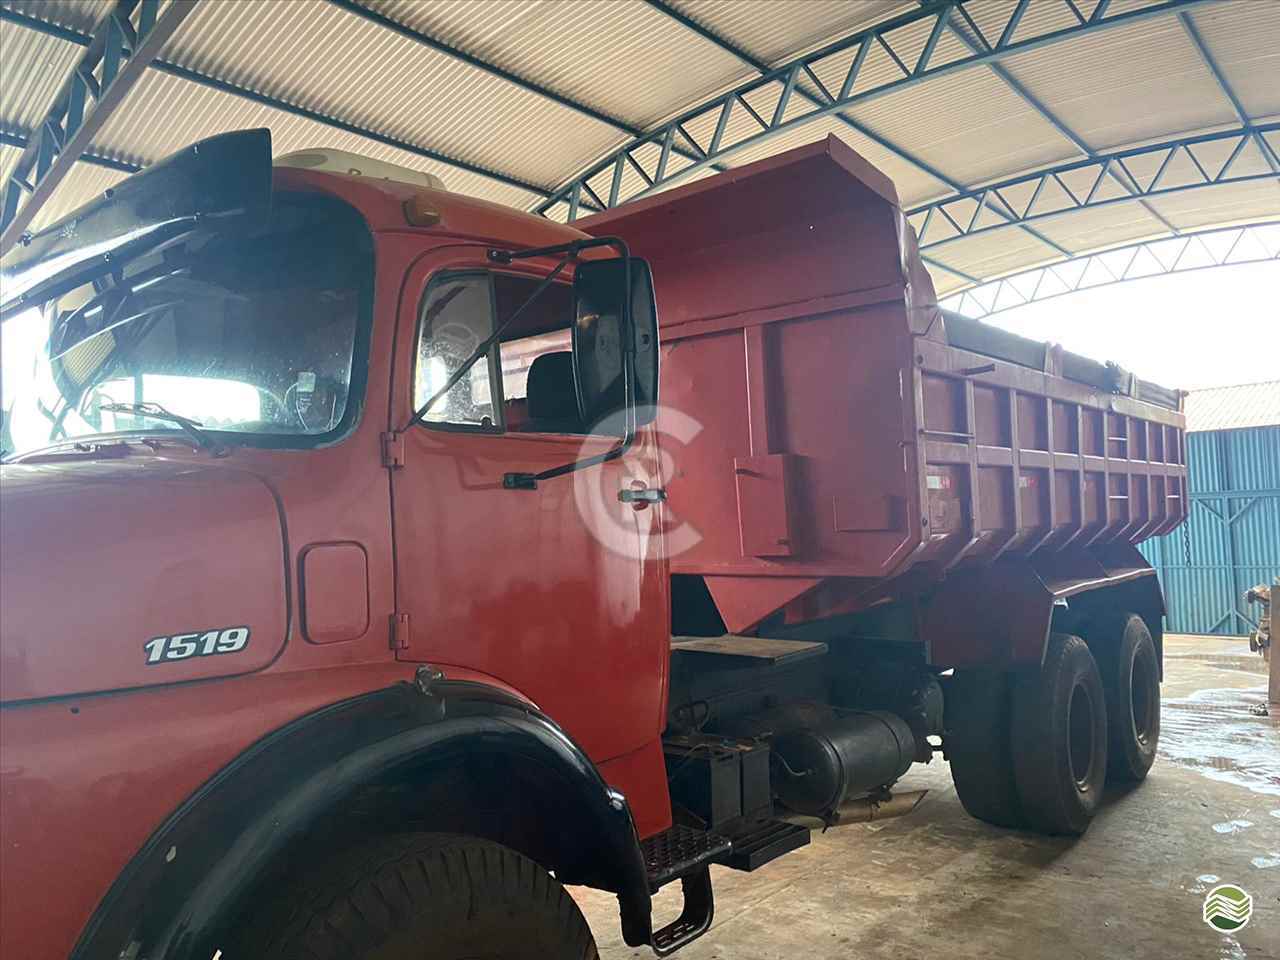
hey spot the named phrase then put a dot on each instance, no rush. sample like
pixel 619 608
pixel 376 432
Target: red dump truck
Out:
pixel 378 561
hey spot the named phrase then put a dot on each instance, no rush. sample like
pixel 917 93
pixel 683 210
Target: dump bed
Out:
pixel 833 431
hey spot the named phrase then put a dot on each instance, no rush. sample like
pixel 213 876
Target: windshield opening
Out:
pixel 258 335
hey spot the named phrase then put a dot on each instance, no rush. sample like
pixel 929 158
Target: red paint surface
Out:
pixel 102 552
pixel 560 591
pixel 798 322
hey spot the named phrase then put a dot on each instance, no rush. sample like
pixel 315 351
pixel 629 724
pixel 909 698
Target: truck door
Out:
pixel 559 591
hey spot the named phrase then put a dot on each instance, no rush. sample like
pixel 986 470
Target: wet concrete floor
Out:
pixel 937 883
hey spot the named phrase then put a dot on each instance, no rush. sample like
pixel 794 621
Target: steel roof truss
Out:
pixel 1098 168
pixel 784 78
pixel 99 82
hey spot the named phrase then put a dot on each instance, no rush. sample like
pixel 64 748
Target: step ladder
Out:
pixel 685 854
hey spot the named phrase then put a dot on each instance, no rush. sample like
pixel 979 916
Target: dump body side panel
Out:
pixel 847 432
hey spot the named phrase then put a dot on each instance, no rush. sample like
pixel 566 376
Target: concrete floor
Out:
pixel 937 883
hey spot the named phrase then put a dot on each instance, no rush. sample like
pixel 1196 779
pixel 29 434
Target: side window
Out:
pixel 457 316
pixel 518 356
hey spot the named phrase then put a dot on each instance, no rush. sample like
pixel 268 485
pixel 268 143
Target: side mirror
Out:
pixel 600 296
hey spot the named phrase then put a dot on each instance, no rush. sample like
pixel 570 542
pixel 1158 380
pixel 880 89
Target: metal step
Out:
pixel 679 852
pixel 764 841
pixel 685 854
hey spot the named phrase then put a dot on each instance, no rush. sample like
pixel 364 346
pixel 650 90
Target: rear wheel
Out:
pixel 978 747
pixel 1059 738
pixel 423 897
pixel 1126 657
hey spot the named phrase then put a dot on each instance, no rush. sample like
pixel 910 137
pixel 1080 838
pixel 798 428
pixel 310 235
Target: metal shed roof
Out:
pixel 1232 408
pixel 1018 133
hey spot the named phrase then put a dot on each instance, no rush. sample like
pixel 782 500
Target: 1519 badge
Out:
pixel 204 643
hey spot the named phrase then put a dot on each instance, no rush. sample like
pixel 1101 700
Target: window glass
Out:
pixel 518 357
pixel 457 316
pixel 253 333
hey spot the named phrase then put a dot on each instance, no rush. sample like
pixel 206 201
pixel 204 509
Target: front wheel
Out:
pixel 1060 738
pixel 424 897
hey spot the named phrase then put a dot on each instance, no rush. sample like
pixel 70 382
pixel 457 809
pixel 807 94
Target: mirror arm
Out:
pixel 573 248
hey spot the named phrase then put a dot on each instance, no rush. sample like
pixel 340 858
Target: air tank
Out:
pixel 817 768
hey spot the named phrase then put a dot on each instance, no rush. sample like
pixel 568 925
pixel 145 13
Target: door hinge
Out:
pixel 399 631
pixel 393 450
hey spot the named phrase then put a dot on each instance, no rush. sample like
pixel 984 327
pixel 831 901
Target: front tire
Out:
pixel 423 897
pixel 1060 738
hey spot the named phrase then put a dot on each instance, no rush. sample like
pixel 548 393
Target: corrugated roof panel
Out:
pixel 314 54
pixel 969 125
pixel 945 283
pixel 35 68
pixel 80 15
pixel 8 157
pixel 995 253
pixel 1231 408
pixel 1243 42
pixel 626 59
pixel 776 33
pixel 194 112
pixel 1100 228
pixel 1042 16
pixel 1223 204
pixel 1125 84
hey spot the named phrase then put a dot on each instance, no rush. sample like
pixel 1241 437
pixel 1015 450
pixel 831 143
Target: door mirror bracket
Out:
pixel 615 345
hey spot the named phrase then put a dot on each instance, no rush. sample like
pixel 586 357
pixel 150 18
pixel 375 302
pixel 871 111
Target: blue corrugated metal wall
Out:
pixel 1233 532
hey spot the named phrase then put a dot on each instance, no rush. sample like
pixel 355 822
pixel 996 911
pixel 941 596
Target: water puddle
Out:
pixel 1232 826
pixel 1204 883
pixel 1266 863
pixel 1217 734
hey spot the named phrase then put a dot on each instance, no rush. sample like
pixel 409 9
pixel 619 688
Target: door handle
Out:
pixel 641 496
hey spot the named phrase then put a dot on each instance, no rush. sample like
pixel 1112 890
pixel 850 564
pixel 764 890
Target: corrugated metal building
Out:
pixel 1232 539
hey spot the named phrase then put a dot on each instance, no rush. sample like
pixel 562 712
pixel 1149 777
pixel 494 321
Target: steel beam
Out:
pixel 21 138
pixel 1206 56
pixel 957 216
pixel 1151 258
pixel 912 71
pixel 968 277
pixel 975 43
pixel 426 40
pixel 448 49
pixel 99 82
pixel 243 93
pixel 793 85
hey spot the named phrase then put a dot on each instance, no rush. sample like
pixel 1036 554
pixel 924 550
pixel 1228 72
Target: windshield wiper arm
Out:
pixel 154 411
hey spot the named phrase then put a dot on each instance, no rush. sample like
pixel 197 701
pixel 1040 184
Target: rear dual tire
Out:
pixel 977 745
pixel 1059 738
pixel 1029 748
pixel 1130 670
